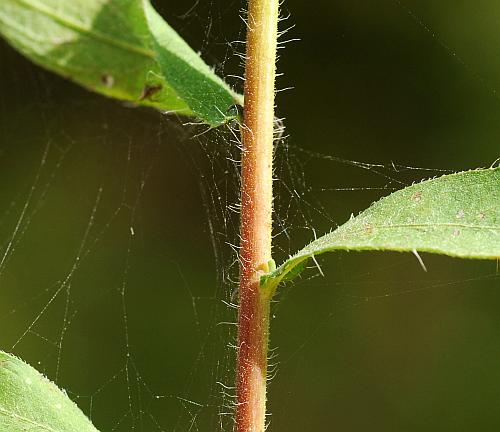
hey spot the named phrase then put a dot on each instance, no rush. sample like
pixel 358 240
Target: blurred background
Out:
pixel 118 228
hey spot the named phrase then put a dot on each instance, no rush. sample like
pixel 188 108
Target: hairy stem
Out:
pixel 256 214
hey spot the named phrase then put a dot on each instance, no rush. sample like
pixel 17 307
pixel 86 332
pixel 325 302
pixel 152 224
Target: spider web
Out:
pixel 105 293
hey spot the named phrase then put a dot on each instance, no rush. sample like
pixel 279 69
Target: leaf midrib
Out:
pixel 344 234
pixel 427 225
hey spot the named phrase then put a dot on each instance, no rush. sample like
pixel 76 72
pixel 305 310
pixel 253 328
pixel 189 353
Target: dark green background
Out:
pixel 375 345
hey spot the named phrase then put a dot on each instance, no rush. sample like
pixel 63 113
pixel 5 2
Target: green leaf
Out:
pixel 29 402
pixel 456 215
pixel 120 48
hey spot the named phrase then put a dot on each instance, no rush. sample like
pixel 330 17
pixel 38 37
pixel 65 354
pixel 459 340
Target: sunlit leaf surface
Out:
pixel 456 215
pixel 29 402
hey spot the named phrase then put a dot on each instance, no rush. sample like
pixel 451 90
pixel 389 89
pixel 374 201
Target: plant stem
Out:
pixel 256 214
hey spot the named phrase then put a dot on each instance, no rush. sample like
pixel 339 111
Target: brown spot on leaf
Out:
pixel 149 91
pixel 456 233
pixel 481 215
pixel 368 229
pixel 417 196
pixel 460 214
pixel 108 80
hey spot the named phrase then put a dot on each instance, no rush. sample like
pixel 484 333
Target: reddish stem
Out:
pixel 256 214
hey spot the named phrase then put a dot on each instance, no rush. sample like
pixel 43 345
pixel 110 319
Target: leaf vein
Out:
pixel 11 414
pixel 81 28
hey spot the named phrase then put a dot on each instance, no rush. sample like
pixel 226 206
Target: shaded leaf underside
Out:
pixel 119 48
